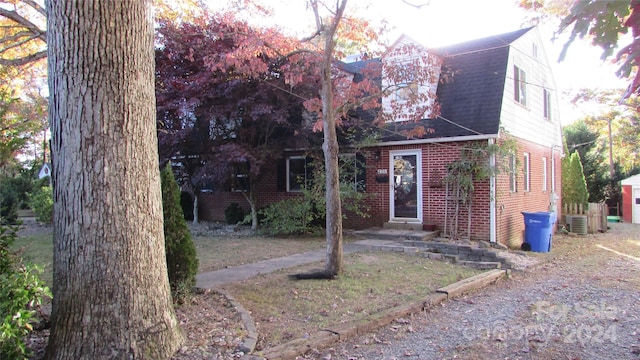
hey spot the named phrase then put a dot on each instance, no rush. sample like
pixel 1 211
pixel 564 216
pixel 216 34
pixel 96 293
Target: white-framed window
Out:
pixel 404 91
pixel 534 50
pixel 352 170
pixel 240 178
pixel 513 172
pixel 544 174
pixel 296 173
pixel 520 85
pixel 407 85
pixel 547 103
pixel 526 172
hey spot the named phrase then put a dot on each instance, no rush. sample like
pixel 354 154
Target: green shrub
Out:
pixel 290 216
pixel 182 263
pixel 8 204
pixel 41 202
pixel 21 294
pixel 234 214
pixel 307 214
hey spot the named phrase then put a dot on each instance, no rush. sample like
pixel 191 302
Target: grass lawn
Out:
pixel 216 253
pixel 35 243
pixel 37 248
pixel 285 309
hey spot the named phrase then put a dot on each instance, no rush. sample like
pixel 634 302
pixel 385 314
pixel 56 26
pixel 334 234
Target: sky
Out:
pixel 446 22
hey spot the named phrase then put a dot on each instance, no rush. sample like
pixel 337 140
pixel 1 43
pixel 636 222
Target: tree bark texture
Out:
pixel 335 261
pixel 111 289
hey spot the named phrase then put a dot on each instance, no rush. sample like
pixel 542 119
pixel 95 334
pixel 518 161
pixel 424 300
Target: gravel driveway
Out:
pixel 581 303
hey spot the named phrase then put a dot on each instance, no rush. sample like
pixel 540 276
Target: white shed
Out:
pixel 631 199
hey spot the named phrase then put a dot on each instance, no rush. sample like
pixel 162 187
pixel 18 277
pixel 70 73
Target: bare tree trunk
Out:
pixel 111 289
pixel 251 199
pixel 457 212
pixel 469 220
pixel 335 261
pixel 196 219
pixel 446 207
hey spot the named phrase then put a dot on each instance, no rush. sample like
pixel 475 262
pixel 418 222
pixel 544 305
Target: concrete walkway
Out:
pixel 216 278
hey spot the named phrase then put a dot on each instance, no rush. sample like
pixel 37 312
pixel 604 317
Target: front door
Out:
pixel 406 186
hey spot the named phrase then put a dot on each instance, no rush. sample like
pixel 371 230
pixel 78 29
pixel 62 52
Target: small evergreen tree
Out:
pixel 574 184
pixel 182 263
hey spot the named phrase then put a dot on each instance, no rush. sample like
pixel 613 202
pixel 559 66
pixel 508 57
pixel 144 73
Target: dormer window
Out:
pixel 520 85
pixel 407 86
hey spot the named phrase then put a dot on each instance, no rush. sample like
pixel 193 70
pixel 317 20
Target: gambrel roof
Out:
pixel 471 89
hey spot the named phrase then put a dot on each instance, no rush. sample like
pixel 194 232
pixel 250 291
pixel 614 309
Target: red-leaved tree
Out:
pixel 219 124
pixel 342 92
pixel 333 93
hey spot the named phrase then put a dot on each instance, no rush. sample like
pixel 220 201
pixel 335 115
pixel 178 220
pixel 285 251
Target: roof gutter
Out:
pixel 438 140
pixel 423 141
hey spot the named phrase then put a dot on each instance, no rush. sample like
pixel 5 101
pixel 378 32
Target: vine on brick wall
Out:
pixel 473 166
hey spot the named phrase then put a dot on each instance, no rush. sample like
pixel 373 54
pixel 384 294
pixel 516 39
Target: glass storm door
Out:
pixel 406 186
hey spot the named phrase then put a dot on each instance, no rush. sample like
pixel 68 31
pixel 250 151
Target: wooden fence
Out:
pixel 596 214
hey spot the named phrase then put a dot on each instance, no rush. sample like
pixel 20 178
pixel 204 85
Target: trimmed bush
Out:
pixel 182 263
pixel 289 217
pixel 234 214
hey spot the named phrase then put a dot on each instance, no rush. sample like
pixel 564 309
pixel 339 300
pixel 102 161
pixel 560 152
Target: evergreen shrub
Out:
pixel 182 262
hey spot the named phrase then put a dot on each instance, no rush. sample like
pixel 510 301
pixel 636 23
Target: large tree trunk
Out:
pixel 111 290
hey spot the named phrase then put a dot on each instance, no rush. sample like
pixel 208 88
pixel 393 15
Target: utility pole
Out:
pixel 612 170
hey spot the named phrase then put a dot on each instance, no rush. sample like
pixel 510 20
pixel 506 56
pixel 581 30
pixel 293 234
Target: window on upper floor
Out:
pixel 406 83
pixel 520 85
pixel 534 50
pixel 513 172
pixel 404 91
pixel 526 172
pixel 547 103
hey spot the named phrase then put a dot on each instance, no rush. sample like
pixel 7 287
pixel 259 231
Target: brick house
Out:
pixel 495 86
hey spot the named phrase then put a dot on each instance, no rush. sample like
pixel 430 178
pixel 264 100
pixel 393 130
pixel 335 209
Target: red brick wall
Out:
pixel 509 205
pixel 212 205
pixel 435 157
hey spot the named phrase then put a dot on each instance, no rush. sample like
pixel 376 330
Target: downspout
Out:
pixel 553 199
pixel 492 196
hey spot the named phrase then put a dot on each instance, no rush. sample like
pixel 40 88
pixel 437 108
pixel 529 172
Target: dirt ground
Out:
pixel 581 302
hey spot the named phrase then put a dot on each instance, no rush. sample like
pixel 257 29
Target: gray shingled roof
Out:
pixel 472 94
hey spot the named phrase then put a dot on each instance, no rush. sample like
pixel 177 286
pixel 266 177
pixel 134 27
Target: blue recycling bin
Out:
pixel 538 230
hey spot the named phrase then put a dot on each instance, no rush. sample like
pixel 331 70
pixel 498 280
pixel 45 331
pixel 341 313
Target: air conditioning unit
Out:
pixel 579 224
pixel 567 222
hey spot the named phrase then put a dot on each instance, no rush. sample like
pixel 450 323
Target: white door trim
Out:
pixel 392 217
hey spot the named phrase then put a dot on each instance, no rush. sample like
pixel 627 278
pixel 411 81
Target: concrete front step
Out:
pixel 396 234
